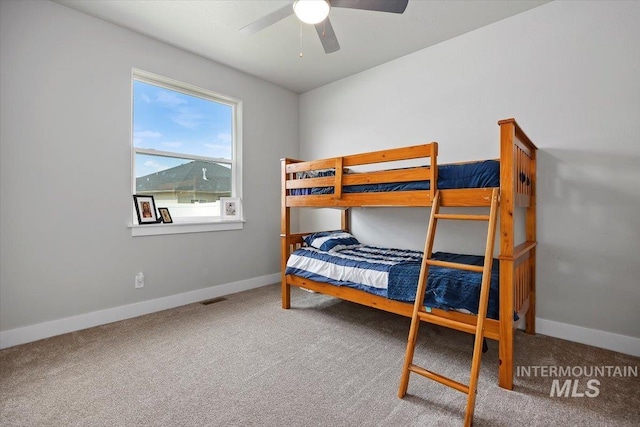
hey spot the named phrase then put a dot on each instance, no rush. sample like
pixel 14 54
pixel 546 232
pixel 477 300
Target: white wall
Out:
pixel 66 167
pixel 568 72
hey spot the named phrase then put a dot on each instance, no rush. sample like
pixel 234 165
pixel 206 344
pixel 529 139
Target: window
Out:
pixel 185 147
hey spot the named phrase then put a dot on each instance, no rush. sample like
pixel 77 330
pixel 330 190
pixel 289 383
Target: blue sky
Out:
pixel 171 121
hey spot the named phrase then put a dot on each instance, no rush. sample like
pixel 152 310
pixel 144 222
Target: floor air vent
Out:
pixel 212 301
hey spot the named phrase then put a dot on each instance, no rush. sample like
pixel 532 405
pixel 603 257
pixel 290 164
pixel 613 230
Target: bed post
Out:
pixel 346 219
pixel 530 220
pixel 285 230
pixel 433 184
pixel 507 193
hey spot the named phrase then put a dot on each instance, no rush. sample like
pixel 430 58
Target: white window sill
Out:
pixel 184 227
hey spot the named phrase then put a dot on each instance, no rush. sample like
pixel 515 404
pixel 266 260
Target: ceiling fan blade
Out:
pixel 392 6
pixel 327 36
pixel 267 20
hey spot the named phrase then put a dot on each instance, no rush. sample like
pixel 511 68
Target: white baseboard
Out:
pixel 607 340
pixel 610 341
pixel 31 333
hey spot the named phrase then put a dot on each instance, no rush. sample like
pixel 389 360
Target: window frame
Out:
pixel 200 223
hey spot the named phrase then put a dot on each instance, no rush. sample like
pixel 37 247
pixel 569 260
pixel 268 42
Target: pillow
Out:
pixel 331 241
pixel 316 173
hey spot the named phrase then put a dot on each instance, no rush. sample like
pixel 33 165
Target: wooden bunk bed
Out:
pixel 517 178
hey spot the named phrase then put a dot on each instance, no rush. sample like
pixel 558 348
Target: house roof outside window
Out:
pixel 197 176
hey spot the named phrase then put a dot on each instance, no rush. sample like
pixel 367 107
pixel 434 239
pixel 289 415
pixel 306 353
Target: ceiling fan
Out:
pixel 316 12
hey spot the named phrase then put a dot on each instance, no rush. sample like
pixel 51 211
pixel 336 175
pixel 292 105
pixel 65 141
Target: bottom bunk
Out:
pixel 336 264
pixel 393 274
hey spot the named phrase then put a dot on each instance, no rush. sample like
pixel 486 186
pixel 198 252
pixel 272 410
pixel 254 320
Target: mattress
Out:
pixel 482 174
pixel 393 274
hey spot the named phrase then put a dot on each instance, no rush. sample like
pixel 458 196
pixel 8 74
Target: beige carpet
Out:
pixel 245 361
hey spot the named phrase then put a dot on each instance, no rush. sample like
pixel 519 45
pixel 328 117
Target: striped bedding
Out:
pixel 393 274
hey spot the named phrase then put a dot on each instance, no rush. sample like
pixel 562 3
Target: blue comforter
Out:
pixel 483 174
pixel 393 273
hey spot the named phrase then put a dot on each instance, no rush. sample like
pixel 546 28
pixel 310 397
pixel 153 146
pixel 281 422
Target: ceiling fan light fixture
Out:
pixel 311 11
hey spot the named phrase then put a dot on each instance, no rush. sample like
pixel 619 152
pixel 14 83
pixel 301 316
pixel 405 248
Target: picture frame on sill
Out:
pixel 145 209
pixel 165 216
pixel 230 208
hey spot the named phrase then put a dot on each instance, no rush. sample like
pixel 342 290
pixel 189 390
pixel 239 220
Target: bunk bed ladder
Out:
pixel 421 313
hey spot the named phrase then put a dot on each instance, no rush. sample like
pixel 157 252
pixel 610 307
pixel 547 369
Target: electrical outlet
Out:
pixel 139 283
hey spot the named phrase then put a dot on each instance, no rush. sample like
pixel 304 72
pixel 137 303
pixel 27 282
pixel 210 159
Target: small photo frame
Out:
pixel 146 209
pixel 230 208
pixel 165 216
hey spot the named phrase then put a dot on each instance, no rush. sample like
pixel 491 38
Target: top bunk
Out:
pixel 358 180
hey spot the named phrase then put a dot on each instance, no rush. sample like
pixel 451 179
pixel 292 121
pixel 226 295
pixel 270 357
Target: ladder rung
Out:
pixel 463 217
pixel 441 379
pixel 456 265
pixel 448 323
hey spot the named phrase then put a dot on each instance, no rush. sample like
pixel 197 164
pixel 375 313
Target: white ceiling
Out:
pixel 211 29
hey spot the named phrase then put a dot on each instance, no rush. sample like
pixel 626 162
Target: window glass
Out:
pixel 183 147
